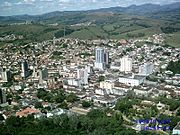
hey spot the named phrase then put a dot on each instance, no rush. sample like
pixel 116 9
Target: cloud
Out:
pixel 7 4
pixel 46 0
pixel 26 2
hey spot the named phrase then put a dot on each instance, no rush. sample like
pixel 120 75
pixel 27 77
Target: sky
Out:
pixel 34 7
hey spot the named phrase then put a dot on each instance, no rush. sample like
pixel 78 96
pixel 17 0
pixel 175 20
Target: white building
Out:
pixel 142 91
pixel 6 75
pixel 82 74
pixel 100 92
pixel 74 82
pixel 126 64
pixel 109 92
pixel 24 69
pixel 108 84
pixel 89 69
pixel 132 81
pixel 105 101
pixel 146 69
pixel 102 58
pixel 99 63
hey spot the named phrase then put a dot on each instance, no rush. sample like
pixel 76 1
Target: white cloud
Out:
pixel 7 4
pixel 25 2
pixel 46 0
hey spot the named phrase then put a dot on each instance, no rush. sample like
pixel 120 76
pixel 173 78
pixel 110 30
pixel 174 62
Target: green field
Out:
pixel 173 39
pixel 103 26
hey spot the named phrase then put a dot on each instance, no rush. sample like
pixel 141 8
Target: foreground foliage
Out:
pixel 96 122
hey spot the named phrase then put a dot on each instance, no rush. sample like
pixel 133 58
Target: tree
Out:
pixel 96 113
pixel 101 78
pixel 1 117
pixel 38 105
pixel 86 104
pixel 63 105
pixel 123 105
pixel 41 93
pixel 178 112
pixel 71 98
pixel 60 97
pixel 174 67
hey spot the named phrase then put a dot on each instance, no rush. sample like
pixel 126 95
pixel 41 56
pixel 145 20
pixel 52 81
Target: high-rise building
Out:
pixel 126 64
pixel 82 74
pixel 6 75
pixel 106 58
pixel 102 58
pixel 100 55
pixel 89 69
pixel 2 96
pixel 24 69
pixel 146 69
pixel 43 74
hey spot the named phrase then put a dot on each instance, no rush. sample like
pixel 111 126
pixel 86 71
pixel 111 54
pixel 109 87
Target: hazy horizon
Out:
pixel 37 7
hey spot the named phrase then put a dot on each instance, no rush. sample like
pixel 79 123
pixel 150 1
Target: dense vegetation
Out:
pixel 62 33
pixel 174 67
pixel 95 123
pixel 58 96
pixel 173 103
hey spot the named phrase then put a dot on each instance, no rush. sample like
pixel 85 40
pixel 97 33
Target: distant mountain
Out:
pixel 145 9
pixel 69 17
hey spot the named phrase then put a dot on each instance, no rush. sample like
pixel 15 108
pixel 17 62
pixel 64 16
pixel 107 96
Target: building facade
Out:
pixel 2 96
pixel 132 81
pixel 6 75
pixel 146 69
pixel 43 74
pixel 82 75
pixel 102 58
pixel 126 64
pixel 24 69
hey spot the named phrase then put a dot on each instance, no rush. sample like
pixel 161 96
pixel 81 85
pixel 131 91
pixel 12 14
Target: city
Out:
pixel 104 86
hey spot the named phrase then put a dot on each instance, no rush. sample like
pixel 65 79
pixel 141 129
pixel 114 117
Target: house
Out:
pixel 105 101
pixel 27 111
pixel 142 91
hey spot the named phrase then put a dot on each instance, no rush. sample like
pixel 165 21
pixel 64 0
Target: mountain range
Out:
pixel 148 10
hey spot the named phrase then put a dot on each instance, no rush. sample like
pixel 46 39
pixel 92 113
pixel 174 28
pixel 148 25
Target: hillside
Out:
pixel 116 23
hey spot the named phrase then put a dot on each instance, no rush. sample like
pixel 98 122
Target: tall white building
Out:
pixel 6 75
pixel 24 69
pixel 126 64
pixel 82 74
pixel 102 58
pixel 89 69
pixel 146 69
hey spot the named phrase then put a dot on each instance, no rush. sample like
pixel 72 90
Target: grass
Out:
pixel 33 32
pixel 93 32
pixel 173 39
pixel 105 26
